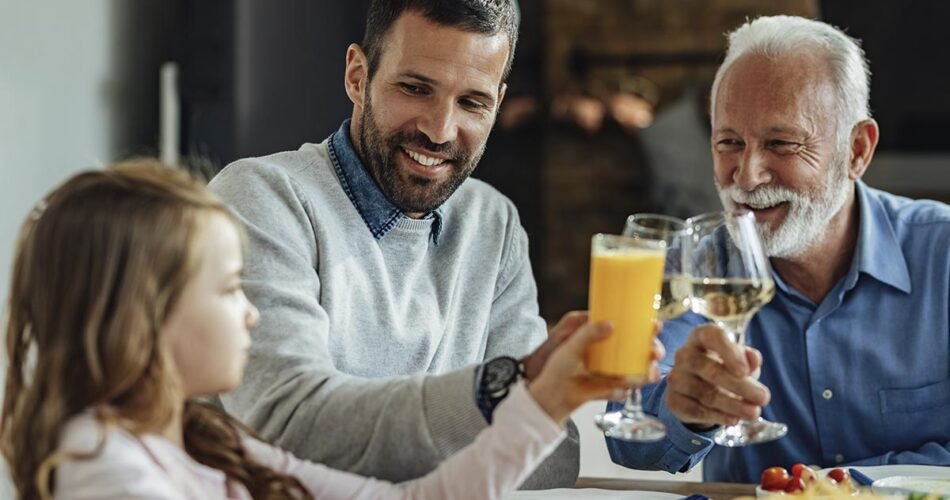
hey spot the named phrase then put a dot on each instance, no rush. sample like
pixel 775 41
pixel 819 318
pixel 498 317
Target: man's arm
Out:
pixel 395 428
pixel 515 328
pixel 683 447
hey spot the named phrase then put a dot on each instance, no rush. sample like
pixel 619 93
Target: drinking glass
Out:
pixel 626 277
pixel 730 280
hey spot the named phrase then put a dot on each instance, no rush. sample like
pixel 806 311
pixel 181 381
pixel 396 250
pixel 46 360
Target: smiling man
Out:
pixel 854 349
pixel 391 286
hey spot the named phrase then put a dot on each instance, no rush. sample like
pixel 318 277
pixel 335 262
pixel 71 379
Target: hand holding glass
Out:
pixel 730 280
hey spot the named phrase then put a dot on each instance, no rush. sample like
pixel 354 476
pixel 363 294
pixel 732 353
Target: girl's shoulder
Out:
pixel 107 461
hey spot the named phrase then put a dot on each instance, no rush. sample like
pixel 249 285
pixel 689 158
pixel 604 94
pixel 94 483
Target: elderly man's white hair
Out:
pixel 778 36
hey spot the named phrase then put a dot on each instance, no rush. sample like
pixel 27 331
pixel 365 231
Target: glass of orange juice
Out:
pixel 626 277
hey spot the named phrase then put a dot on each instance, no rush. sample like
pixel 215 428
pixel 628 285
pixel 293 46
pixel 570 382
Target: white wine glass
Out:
pixel 730 280
pixel 631 423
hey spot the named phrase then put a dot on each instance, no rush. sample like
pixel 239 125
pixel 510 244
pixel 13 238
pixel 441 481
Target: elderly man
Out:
pixel 854 349
pixel 385 276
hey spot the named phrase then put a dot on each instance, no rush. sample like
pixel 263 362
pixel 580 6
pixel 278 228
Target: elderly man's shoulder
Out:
pixel 913 212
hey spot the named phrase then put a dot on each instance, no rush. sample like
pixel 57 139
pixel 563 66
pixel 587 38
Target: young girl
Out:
pixel 126 305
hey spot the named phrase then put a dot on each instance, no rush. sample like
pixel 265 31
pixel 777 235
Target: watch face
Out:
pixel 500 373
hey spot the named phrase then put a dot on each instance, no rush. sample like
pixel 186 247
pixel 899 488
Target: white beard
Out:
pixel 806 221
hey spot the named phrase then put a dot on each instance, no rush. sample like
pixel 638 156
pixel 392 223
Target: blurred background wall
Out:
pixel 605 116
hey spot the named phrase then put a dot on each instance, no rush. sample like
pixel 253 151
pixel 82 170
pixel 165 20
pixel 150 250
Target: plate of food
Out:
pixel 805 481
pixel 889 481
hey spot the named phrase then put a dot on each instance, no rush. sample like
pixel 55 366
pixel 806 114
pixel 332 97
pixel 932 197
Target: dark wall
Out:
pixel 289 72
pixel 907 44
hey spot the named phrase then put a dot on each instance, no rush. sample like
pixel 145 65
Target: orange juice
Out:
pixel 626 275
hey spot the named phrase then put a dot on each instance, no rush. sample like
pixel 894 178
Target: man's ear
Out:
pixel 864 139
pixel 355 77
pixel 501 94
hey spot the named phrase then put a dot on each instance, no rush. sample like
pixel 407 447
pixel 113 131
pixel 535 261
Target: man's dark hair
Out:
pixel 486 17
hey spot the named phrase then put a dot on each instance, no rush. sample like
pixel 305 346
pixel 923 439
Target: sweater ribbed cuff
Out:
pixel 450 411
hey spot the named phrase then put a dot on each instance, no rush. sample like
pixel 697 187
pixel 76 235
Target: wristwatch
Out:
pixel 492 382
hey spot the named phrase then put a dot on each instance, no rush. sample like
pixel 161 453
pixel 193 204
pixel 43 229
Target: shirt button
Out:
pixel 839 458
pixel 697 442
pixel 827 394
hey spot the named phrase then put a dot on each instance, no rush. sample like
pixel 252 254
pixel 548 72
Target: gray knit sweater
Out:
pixel 364 355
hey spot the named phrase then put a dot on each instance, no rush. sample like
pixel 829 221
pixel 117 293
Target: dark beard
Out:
pixel 414 194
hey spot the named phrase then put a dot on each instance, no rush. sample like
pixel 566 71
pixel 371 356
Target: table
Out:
pixel 716 491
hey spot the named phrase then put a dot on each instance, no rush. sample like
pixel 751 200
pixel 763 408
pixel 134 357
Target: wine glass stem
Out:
pixel 632 406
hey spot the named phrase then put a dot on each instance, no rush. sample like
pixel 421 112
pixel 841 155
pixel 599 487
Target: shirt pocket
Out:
pixel 915 416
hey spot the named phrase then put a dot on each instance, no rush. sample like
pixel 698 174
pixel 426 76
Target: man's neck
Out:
pixel 815 272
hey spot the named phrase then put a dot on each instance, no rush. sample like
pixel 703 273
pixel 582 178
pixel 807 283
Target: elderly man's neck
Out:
pixel 815 272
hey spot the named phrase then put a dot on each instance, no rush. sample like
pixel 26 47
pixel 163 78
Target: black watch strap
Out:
pixel 493 380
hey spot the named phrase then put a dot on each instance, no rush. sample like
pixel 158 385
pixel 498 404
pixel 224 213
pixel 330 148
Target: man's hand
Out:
pixel 713 380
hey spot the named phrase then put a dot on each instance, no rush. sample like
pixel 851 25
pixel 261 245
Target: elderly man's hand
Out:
pixel 713 380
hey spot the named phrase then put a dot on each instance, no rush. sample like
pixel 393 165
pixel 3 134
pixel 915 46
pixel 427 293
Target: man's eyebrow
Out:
pixel 420 77
pixel 724 130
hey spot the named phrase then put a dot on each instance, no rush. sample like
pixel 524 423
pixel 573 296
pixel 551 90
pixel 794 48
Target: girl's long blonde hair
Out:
pixel 99 267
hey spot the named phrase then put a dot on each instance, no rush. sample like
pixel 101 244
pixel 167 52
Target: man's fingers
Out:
pixel 711 397
pixel 712 338
pixel 753 357
pixel 702 366
pixel 690 411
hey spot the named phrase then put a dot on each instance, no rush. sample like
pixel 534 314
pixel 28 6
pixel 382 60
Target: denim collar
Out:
pixel 379 214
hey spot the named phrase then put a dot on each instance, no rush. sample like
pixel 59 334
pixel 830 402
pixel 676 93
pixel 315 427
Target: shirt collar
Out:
pixel 379 214
pixel 878 252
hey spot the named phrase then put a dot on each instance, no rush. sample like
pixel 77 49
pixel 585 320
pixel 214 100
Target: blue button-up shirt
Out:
pixel 862 378
pixel 379 214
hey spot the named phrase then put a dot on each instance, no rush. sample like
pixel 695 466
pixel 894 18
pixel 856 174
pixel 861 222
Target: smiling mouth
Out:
pixel 424 160
pixel 757 207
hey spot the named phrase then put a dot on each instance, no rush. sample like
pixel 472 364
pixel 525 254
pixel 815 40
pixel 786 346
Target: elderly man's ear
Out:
pixel 864 138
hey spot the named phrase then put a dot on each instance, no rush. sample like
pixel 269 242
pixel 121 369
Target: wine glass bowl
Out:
pixel 729 281
pixel 673 300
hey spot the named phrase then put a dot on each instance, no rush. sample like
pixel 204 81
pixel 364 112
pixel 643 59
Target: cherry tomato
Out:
pixel 808 475
pixel 774 479
pixel 840 476
pixel 795 485
pixel 797 470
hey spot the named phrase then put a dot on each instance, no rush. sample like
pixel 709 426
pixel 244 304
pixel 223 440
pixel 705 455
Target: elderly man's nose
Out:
pixel 752 171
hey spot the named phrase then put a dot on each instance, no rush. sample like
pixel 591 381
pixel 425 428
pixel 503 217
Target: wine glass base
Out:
pixel 630 427
pixel 748 432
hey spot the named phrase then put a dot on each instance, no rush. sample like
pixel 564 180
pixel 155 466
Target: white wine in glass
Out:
pixel 730 280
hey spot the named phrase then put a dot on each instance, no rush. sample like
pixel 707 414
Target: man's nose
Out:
pixel 439 123
pixel 752 171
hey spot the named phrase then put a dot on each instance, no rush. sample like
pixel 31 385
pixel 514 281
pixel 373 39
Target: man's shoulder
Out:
pixel 909 212
pixel 476 199
pixel 277 167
